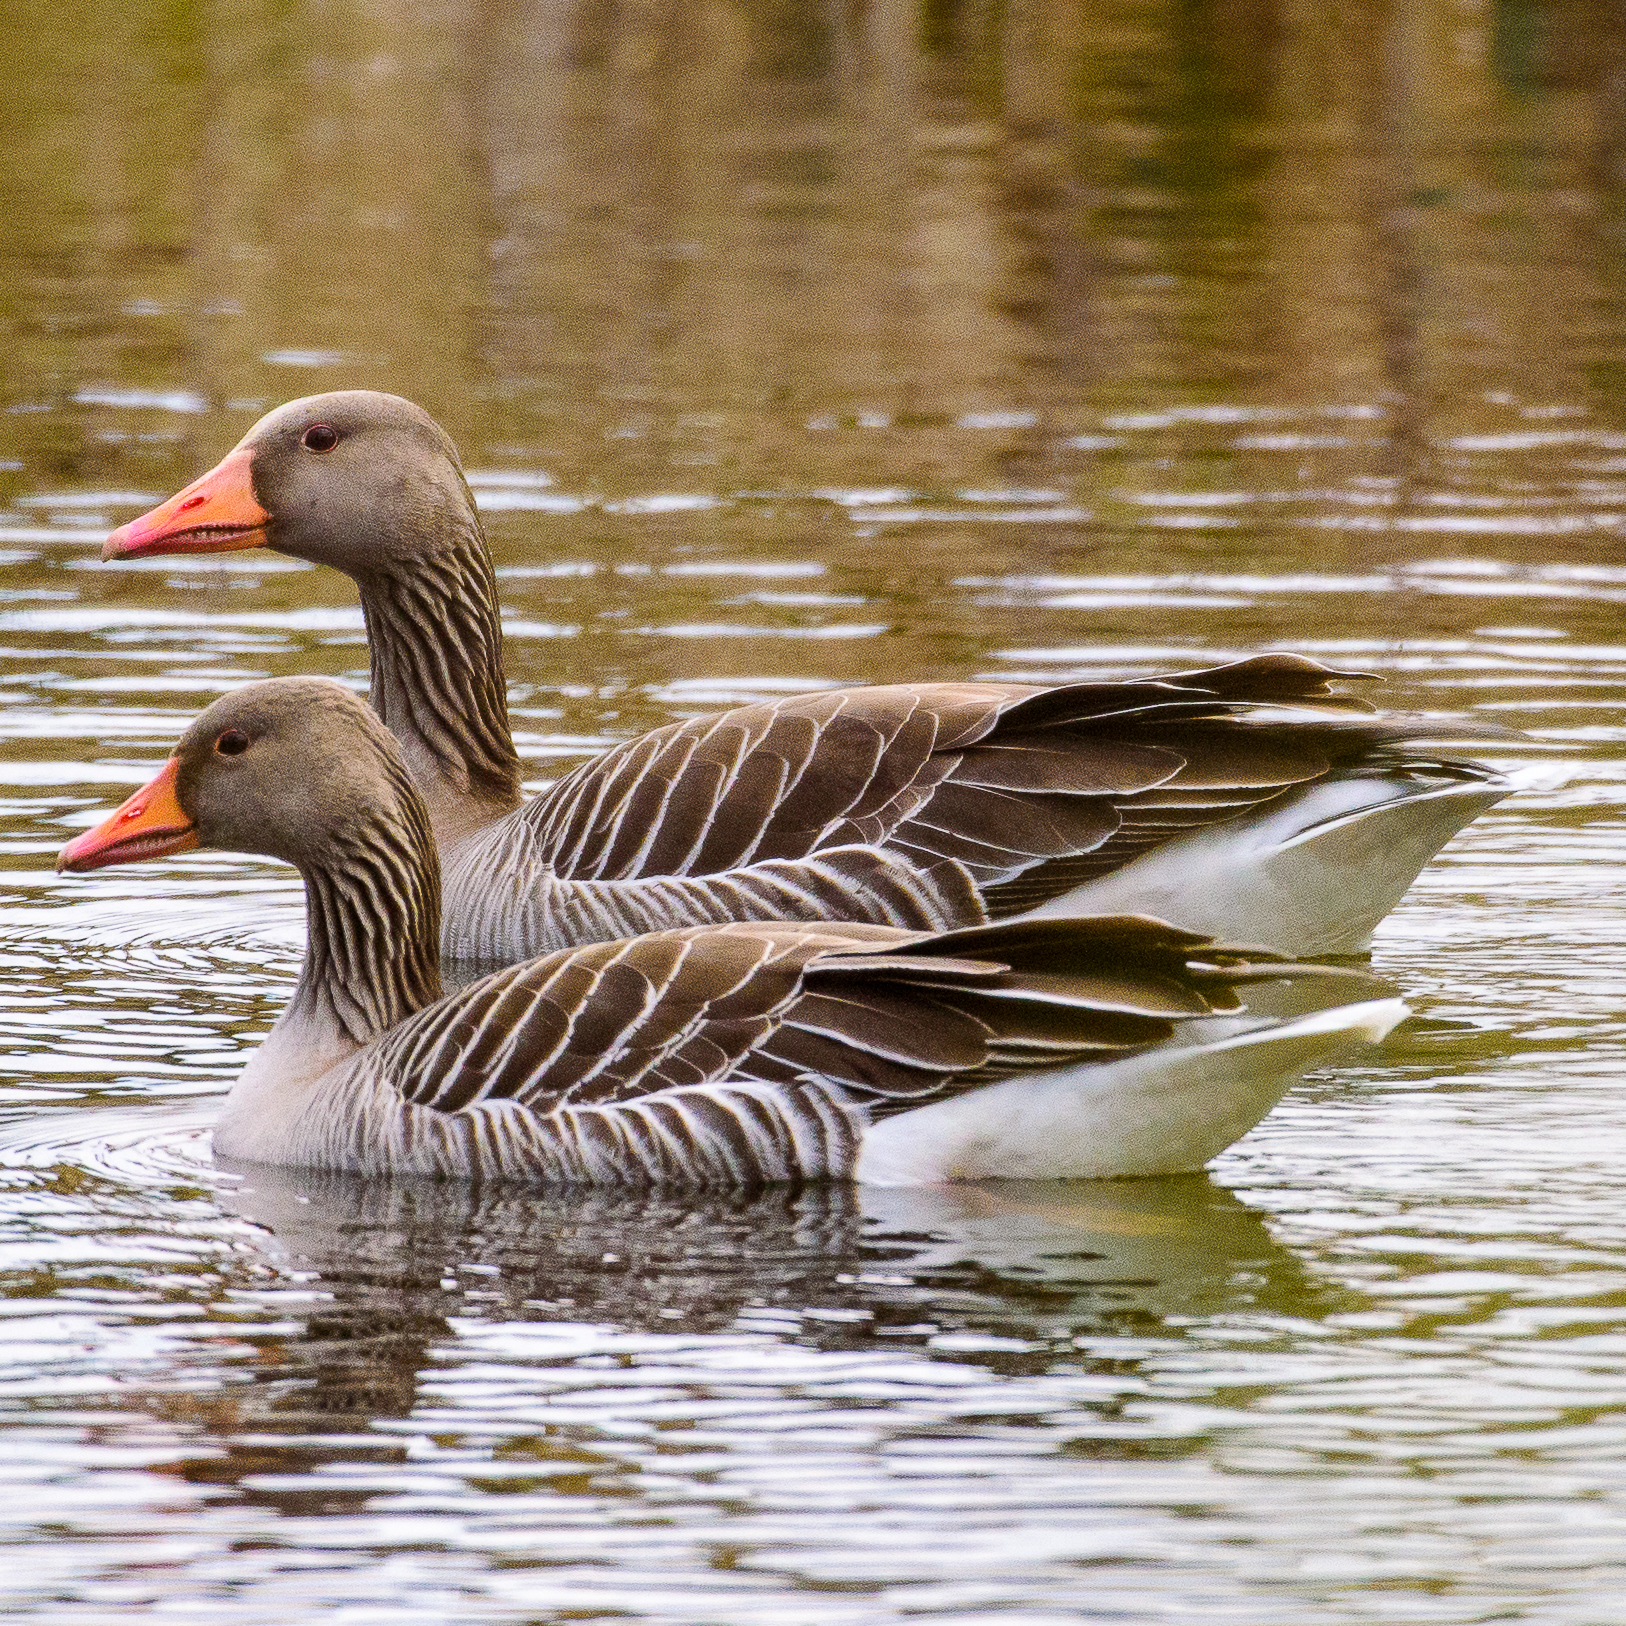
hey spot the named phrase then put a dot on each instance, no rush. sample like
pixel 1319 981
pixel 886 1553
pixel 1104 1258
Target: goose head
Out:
pixel 292 768
pixel 355 479
pixel 370 485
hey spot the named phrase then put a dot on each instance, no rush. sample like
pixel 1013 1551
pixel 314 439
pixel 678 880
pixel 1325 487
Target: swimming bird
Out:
pixel 1250 800
pixel 713 1055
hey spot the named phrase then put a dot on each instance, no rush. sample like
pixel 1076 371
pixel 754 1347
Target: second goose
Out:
pixel 1250 801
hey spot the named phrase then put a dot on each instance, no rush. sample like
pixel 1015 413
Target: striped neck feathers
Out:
pixel 435 637
pixel 372 954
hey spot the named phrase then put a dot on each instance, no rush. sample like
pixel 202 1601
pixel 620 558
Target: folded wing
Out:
pixel 746 1053
pixel 1030 791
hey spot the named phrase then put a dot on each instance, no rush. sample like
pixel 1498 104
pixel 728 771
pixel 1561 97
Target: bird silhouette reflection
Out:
pixel 399 1269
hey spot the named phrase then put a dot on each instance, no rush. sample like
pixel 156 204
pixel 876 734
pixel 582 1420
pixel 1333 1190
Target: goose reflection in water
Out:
pixel 412 1278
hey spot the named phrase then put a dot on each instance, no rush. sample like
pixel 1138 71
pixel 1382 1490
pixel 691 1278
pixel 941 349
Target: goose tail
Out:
pixel 1313 875
pixel 1165 1110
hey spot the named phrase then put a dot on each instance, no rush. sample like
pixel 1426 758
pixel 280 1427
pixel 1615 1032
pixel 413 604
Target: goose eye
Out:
pixel 233 743
pixel 320 437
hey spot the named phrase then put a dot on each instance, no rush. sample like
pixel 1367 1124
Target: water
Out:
pixel 793 346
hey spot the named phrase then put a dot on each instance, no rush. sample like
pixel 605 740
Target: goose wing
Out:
pixel 779 779
pixel 1026 788
pixel 739 1054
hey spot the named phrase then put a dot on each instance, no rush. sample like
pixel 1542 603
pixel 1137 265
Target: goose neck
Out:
pixel 372 954
pixel 435 638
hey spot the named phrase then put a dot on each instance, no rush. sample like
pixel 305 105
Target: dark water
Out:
pixel 789 346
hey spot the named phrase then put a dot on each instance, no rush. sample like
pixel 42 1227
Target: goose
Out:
pixel 1250 800
pixel 731 1054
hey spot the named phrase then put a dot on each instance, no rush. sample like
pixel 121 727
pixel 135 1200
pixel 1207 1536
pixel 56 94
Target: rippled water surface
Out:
pixel 790 346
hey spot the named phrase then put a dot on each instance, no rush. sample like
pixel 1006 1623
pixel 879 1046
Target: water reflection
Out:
pixel 584 1345
pixel 830 1267
pixel 372 1359
pixel 671 239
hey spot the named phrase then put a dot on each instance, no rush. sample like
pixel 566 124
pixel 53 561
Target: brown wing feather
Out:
pixel 587 1025
pixel 775 780
pixel 744 1053
pixel 1031 792
pixel 1052 761
pixel 1280 678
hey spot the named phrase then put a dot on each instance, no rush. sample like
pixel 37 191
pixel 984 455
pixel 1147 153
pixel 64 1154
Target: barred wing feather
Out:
pixel 773 780
pixel 1029 790
pixel 752 1052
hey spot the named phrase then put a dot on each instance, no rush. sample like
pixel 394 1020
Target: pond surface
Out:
pixel 791 346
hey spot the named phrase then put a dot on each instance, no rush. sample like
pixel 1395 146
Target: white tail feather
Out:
pixel 1313 876
pixel 1162 1111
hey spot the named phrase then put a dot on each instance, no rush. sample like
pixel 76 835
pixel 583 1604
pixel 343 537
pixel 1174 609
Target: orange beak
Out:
pixel 149 825
pixel 217 514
